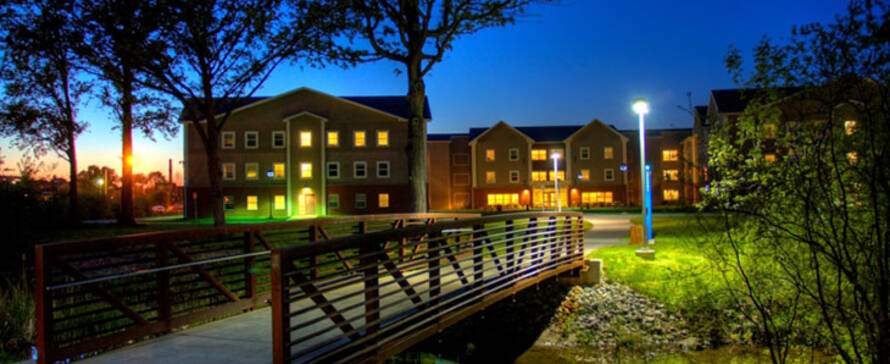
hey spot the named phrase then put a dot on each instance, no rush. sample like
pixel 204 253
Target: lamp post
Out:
pixel 641 107
pixel 270 174
pixel 555 157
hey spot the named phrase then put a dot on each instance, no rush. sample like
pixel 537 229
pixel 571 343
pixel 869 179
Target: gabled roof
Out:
pixel 394 105
pixel 549 133
pixel 598 122
pixel 475 133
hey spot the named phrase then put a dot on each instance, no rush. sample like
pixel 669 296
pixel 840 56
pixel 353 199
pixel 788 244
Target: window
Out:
pixel 251 171
pixel 228 141
pixel 609 174
pixel 333 138
pixel 561 175
pixel 361 200
pixel 584 153
pixel 671 175
pixel 251 203
pixel 334 170
pixel 383 138
pixel 502 199
pixel 358 138
pixel 251 140
pixel 585 175
pixel 539 176
pixel 278 139
pixel 359 169
pixel 383 169
pixel 490 177
pixel 228 171
pixel 461 159
pixel 305 139
pixel 671 195
pixel 383 200
pixel 850 126
pixel 228 202
pixel 306 170
pixel 769 157
pixel 461 179
pixel 514 154
pixel 278 170
pixel 558 152
pixel 280 202
pixel 333 201
pixel 596 197
pixel 669 155
pixel 539 154
pixel 852 158
pixel 608 153
pixel 769 131
pixel 489 155
pixel 514 176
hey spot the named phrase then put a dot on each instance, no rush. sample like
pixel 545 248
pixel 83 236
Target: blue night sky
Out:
pixel 566 63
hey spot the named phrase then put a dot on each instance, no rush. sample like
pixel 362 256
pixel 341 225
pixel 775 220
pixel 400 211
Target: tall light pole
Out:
pixel 641 107
pixel 555 157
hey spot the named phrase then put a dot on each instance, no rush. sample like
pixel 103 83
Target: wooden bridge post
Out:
pixel 280 309
pixel 434 270
pixel 162 259
pixel 477 258
pixel 508 240
pixel 555 238
pixel 369 261
pixel 43 278
pixel 249 262
pixel 316 260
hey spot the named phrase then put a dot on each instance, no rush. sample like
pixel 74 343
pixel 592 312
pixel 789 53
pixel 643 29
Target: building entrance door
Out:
pixel 545 198
pixel 306 203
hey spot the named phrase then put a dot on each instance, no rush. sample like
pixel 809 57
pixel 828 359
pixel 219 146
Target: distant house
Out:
pixel 306 153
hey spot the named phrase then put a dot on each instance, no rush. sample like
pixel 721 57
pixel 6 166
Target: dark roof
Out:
pixel 396 105
pixel 549 133
pixel 656 132
pixel 735 100
pixel 442 136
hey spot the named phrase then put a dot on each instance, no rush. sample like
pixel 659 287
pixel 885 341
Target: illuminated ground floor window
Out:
pixel 502 199
pixel 251 203
pixel 383 200
pixel 596 197
pixel 671 195
pixel 279 202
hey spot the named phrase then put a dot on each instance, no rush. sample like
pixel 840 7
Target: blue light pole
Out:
pixel 641 107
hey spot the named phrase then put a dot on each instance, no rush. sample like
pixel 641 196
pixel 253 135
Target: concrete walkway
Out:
pixel 607 230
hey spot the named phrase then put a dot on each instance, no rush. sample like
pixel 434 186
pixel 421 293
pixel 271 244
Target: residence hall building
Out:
pixel 306 153
pixel 511 167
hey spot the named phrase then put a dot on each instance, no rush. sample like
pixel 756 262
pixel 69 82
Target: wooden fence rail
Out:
pixel 365 298
pixel 96 294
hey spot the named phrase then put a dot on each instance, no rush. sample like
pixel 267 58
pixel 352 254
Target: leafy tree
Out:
pixel 416 34
pixel 121 35
pixel 809 232
pixel 220 53
pixel 42 86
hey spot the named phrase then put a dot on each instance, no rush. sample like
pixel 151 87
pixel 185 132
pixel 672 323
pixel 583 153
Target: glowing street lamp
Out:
pixel 641 107
pixel 555 157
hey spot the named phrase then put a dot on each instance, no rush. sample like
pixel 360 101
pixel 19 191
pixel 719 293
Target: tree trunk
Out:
pixel 416 148
pixel 73 207
pixel 126 210
pixel 214 170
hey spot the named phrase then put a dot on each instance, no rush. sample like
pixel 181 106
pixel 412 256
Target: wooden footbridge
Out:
pixel 347 289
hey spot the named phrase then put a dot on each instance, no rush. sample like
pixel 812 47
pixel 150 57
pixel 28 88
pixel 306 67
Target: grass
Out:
pixel 16 319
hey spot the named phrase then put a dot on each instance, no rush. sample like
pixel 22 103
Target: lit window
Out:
pixel 584 153
pixel 769 131
pixel 383 169
pixel 278 170
pixel 852 158
pixel 514 154
pixel 228 171
pixel 359 138
pixel 514 176
pixel 558 152
pixel 251 203
pixel 383 200
pixel 359 169
pixel 383 138
pixel 305 170
pixel 279 202
pixel 278 139
pixel 671 195
pixel 228 202
pixel 489 177
pixel 585 175
pixel 561 175
pixel 333 201
pixel 850 126
pixel 769 157
pixel 539 154
pixel 228 140
pixel 607 153
pixel 305 139
pixel 251 171
pixel 333 138
pixel 502 199
pixel 671 175
pixel 361 200
pixel 609 174
pixel 251 140
pixel 596 197
pixel 333 169
pixel 539 176
pixel 669 155
pixel 489 155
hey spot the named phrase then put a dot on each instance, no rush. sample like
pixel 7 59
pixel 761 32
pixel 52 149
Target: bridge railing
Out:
pixel 100 293
pixel 367 297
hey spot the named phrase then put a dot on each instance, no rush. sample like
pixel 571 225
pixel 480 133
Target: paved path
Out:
pixel 607 230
